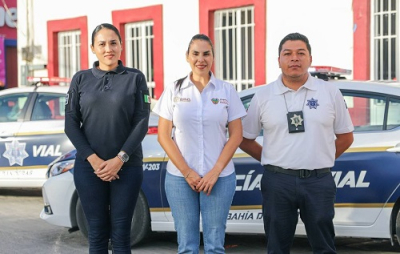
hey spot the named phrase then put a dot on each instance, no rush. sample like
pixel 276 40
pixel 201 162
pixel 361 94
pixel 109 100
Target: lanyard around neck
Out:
pixel 304 102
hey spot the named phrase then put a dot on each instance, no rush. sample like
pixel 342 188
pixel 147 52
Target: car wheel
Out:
pixel 81 219
pixel 398 227
pixel 140 227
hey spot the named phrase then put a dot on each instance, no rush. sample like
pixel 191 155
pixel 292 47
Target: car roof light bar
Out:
pixel 328 72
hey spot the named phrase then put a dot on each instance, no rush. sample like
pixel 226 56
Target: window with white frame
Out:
pixel 139 49
pixel 384 27
pixel 69 56
pixel 234 46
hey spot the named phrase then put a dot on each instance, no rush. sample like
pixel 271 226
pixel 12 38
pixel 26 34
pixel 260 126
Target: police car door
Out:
pixel 13 107
pixel 42 135
pixel 367 175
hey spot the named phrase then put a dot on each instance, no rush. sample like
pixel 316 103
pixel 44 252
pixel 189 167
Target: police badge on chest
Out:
pixel 295 121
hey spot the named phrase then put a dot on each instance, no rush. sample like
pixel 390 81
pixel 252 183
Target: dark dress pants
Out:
pixel 284 196
pixel 108 206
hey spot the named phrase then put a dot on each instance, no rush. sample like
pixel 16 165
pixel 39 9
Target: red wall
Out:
pixel 12 67
pixel 361 44
pixel 56 26
pixel 206 15
pixel 361 55
pixel 155 13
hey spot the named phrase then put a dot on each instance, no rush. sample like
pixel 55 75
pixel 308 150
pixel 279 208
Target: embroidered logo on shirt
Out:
pixel 313 103
pixel 223 101
pixel 215 100
pixel 178 99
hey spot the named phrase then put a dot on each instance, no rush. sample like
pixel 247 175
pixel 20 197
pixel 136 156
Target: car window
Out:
pixel 368 112
pixel 11 106
pixel 393 120
pixel 49 107
pixel 246 103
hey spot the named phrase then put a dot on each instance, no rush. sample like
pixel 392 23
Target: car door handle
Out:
pixel 6 134
pixel 395 149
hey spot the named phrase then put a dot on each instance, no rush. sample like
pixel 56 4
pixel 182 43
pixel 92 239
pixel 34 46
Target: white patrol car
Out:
pixel 31 133
pixel 367 176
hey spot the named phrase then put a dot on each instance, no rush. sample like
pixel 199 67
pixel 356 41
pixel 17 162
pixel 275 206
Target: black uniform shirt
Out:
pixel 108 111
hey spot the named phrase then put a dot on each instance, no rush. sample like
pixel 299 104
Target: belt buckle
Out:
pixel 304 173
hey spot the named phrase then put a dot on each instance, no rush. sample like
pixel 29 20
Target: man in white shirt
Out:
pixel 306 126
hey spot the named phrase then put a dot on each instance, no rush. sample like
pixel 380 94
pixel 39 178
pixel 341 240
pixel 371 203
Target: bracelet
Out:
pixel 187 175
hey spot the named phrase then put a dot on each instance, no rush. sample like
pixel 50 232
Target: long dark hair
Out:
pixel 179 82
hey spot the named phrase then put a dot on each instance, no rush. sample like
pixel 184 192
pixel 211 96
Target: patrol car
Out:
pixel 31 133
pixel 367 176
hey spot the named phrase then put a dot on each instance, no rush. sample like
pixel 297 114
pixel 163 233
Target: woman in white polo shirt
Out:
pixel 198 110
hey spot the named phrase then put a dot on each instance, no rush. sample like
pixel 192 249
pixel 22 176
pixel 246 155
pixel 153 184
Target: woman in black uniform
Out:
pixel 107 113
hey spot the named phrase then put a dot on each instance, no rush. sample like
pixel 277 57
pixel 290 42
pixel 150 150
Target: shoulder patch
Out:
pixel 146 98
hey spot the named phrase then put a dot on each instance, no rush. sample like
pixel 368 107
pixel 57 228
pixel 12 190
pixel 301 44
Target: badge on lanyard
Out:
pixel 295 121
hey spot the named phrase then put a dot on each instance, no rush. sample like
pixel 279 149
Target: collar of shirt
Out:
pixel 100 73
pixel 188 82
pixel 280 88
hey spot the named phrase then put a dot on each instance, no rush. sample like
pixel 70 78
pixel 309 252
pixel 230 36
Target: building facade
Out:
pixel 8 44
pixel 360 35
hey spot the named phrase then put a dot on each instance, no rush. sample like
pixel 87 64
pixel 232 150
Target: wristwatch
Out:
pixel 124 157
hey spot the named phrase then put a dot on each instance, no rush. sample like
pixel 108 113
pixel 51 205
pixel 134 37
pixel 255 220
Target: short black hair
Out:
pixel 108 26
pixel 295 37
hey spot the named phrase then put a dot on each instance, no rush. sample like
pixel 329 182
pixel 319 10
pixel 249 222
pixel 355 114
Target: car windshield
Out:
pixel 11 107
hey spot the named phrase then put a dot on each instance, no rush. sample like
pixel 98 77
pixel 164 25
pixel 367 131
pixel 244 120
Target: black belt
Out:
pixel 301 173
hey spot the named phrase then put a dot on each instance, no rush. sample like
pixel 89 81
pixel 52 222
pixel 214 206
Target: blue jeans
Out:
pixel 186 207
pixel 108 206
pixel 283 195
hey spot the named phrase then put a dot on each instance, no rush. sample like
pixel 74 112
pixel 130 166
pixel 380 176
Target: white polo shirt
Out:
pixel 325 114
pixel 200 121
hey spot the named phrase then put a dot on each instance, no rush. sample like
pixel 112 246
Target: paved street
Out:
pixel 23 232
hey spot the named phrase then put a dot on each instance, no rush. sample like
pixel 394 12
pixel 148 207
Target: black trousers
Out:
pixel 108 206
pixel 284 196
